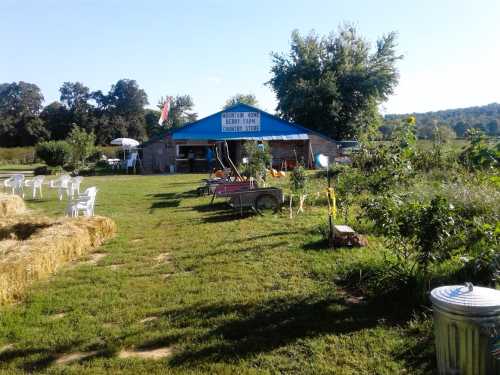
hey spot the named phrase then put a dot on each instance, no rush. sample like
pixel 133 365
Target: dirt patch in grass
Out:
pixel 57 316
pixel 65 359
pixel 164 258
pixel 94 258
pixel 157 353
pixel 148 319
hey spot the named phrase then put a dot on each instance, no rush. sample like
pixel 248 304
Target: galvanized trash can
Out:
pixel 467 329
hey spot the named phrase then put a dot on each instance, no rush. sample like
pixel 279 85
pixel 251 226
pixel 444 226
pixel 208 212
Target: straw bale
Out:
pixel 52 244
pixel 11 205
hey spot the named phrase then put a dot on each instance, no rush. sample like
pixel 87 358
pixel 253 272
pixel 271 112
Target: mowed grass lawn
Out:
pixel 224 294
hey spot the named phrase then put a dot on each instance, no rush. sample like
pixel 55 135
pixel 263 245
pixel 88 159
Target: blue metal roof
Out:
pixel 241 122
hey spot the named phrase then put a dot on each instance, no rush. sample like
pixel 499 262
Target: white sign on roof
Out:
pixel 240 122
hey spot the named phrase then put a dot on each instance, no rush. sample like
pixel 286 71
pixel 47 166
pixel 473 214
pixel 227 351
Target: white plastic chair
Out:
pixel 62 185
pixel 84 202
pixel 15 183
pixel 74 186
pixel 36 183
pixel 131 160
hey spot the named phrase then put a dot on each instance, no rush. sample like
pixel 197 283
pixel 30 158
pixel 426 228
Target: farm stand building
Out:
pixel 186 149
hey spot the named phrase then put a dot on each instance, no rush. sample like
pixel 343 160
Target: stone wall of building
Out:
pixel 323 145
pixel 288 151
pixel 157 156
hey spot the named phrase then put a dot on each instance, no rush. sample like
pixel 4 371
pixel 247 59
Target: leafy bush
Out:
pixel 54 153
pixel 479 155
pixel 87 171
pixel 387 164
pixel 44 170
pixel 417 232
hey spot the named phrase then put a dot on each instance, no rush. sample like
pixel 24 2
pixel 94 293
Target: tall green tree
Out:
pixel 334 84
pixel 125 104
pixel 249 99
pixel 127 98
pixel 75 96
pixel 151 117
pixel 20 105
pixel 57 119
pixel 120 112
pixel 20 99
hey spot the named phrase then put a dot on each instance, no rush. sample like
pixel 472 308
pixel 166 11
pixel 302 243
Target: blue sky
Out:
pixel 215 48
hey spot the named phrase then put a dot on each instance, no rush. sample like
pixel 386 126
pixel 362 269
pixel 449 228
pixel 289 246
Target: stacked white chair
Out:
pixel 83 202
pixel 62 185
pixel 35 183
pixel 15 183
pixel 131 161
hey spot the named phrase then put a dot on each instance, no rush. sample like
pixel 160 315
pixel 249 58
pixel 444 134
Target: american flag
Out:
pixel 165 111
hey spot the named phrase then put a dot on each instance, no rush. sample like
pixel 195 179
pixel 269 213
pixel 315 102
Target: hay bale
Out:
pixel 23 262
pixel 11 205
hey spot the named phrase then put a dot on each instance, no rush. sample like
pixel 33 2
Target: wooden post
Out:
pixel 331 234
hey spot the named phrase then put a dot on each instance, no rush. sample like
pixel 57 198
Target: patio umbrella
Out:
pixel 125 143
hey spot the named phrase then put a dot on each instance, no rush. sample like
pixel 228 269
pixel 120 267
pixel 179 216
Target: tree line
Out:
pixel 121 112
pixel 333 84
pixel 451 122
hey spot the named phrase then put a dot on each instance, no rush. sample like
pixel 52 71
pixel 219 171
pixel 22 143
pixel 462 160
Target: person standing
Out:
pixel 191 157
pixel 210 158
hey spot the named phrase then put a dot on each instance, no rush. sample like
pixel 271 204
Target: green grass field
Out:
pixel 224 294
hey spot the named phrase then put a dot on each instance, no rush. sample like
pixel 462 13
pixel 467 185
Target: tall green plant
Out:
pixel 298 180
pixel 478 155
pixel 83 145
pixel 259 158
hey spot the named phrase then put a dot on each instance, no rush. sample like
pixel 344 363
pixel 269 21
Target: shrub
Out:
pixel 479 155
pixel 417 231
pixel 54 153
pixel 87 171
pixel 44 170
pixel 83 146
pixel 258 159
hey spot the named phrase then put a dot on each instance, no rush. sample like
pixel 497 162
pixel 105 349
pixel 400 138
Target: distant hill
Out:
pixel 486 118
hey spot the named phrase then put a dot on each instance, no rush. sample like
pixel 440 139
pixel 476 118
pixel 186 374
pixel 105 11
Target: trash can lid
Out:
pixel 467 299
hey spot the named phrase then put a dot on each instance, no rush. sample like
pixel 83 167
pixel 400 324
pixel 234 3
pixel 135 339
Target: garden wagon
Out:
pixel 226 189
pixel 260 200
